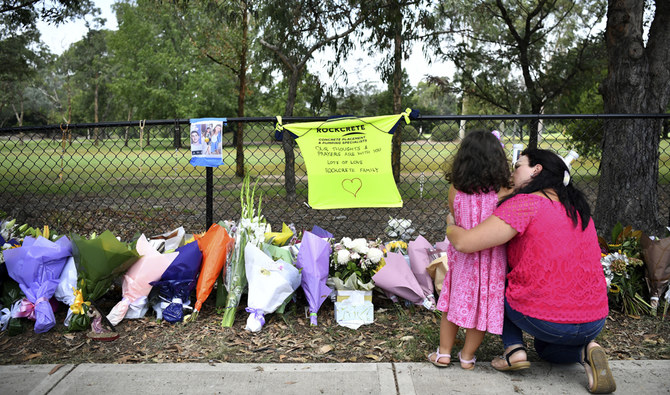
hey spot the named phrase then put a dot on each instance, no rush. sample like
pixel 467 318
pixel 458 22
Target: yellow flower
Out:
pixel 381 264
pixel 78 305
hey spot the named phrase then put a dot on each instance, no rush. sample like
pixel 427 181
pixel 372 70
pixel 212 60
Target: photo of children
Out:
pixel 206 138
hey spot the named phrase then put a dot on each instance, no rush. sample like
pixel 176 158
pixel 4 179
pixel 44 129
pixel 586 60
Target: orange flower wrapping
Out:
pixel 214 245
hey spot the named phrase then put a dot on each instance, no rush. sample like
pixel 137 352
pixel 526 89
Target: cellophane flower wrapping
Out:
pixel 270 283
pixel 36 266
pixel 100 260
pixel 174 288
pixel 419 260
pixel 353 263
pixel 656 253
pixel 287 253
pixel 168 241
pixel 137 281
pixel 250 229
pixel 312 260
pixel 216 246
pixel 396 278
pixel 67 285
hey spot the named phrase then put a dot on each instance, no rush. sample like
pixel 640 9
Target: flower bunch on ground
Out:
pixel 358 256
pixel 625 271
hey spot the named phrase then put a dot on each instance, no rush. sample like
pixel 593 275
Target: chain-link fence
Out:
pixel 135 177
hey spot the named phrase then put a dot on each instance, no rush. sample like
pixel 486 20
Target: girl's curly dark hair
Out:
pixel 480 165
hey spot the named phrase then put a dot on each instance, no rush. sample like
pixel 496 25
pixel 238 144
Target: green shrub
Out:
pixel 409 133
pixel 444 132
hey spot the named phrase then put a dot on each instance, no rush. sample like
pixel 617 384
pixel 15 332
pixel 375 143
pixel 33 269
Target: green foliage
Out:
pixel 444 132
pixel 409 133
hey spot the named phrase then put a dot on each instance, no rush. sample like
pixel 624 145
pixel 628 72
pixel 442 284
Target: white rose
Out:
pixel 343 257
pixel 346 242
pixel 360 246
pixel 375 255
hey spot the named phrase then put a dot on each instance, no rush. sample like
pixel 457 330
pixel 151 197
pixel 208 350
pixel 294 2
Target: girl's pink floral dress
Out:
pixel 473 289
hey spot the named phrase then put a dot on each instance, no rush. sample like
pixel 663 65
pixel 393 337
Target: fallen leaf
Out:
pixel 406 338
pixel 69 336
pixel 32 356
pixel 325 349
pixel 55 369
pixel 372 356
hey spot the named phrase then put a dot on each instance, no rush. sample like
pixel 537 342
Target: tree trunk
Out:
pixel 130 114
pixel 637 82
pixel 396 141
pixel 241 95
pixel 288 143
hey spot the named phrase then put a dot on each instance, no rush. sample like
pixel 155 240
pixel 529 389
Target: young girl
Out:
pixel 472 292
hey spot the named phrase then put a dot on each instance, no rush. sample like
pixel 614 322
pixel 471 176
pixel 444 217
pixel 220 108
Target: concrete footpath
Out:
pixel 632 377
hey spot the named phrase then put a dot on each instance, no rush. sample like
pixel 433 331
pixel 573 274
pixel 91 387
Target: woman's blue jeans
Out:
pixel 556 343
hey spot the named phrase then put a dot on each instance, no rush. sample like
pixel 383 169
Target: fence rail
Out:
pixel 132 177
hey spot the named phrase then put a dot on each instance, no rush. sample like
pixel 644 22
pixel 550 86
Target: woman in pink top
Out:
pixel 556 290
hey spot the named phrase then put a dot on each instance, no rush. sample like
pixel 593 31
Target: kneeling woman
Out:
pixel 556 290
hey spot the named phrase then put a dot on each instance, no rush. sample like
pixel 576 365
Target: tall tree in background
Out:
pixel 222 32
pixel 20 57
pixel 21 52
pixel 394 25
pixel 160 75
pixel 638 81
pixel 21 14
pixel 293 31
pixel 502 45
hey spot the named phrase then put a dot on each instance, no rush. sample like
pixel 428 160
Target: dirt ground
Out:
pixel 399 334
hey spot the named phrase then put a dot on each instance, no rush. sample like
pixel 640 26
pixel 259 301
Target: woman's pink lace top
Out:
pixel 554 267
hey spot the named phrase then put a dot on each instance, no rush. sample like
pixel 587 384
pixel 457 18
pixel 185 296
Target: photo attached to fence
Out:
pixel 206 137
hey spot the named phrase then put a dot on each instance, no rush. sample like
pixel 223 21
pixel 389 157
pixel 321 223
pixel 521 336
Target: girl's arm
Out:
pixel 451 196
pixel 492 232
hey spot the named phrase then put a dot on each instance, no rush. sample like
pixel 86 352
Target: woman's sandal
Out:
pixel 512 366
pixel 470 361
pixel 438 356
pixel 603 381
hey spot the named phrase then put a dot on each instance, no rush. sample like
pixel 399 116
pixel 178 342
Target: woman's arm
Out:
pixel 492 232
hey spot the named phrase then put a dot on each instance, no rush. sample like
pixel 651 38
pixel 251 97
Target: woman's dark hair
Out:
pixel 480 165
pixel 551 177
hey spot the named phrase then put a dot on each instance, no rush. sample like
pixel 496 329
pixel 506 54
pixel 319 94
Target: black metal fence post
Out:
pixel 209 200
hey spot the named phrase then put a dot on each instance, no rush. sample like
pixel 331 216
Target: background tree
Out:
pixel 638 81
pixel 293 31
pixel 393 26
pixel 502 45
pixel 23 14
pixel 223 32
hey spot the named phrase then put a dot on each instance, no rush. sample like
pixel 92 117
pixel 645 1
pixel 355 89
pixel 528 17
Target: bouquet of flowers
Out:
pixel 656 254
pixel 354 262
pixel 624 271
pixel 250 230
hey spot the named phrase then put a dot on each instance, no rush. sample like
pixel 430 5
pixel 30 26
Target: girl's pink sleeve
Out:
pixel 518 211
